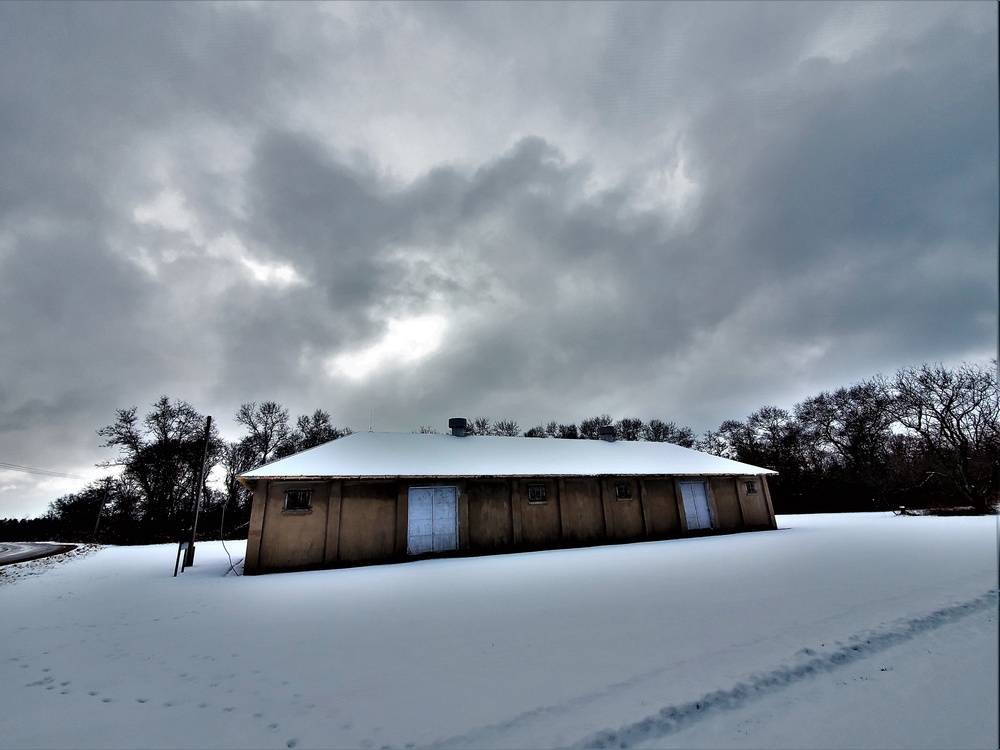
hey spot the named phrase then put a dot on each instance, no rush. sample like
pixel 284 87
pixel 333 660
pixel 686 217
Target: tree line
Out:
pixel 926 437
pixel 158 459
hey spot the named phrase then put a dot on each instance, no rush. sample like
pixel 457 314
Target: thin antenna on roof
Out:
pixel 370 421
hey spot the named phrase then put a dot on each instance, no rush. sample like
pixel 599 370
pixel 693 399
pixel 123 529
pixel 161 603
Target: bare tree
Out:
pixel 161 455
pixel 657 431
pixel 270 434
pixel 316 429
pixel 956 416
pixel 479 426
pixel 239 457
pixel 628 429
pixel 733 440
pixel 716 443
pixel 567 432
pixel 590 426
pixel 852 425
pixel 505 428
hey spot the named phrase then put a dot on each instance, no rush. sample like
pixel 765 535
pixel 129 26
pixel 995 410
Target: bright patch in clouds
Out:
pixel 404 341
pixel 844 37
pixel 669 188
pixel 277 274
pixel 273 274
pixel 167 210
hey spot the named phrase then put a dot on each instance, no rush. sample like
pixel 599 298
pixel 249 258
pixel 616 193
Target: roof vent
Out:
pixel 606 433
pixel 457 426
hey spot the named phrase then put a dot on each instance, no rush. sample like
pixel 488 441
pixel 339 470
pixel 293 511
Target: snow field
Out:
pixel 834 631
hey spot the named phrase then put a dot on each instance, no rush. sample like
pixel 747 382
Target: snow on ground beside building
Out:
pixel 854 630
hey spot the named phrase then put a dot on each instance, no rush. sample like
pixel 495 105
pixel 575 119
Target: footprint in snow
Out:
pixel 292 742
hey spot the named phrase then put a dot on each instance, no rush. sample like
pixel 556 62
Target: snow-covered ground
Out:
pixel 858 630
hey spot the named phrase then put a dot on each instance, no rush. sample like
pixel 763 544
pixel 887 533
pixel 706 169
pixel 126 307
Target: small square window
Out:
pixel 298 499
pixel 536 494
pixel 623 490
pixel 751 486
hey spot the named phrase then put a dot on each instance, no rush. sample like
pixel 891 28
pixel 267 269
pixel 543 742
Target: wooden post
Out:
pixel 104 501
pixel 189 559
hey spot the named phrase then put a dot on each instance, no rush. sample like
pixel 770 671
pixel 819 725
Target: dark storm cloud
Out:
pixel 874 172
pixel 82 86
pixel 228 203
pixel 560 279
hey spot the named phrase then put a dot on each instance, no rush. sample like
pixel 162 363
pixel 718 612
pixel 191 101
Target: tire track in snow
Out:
pixel 676 717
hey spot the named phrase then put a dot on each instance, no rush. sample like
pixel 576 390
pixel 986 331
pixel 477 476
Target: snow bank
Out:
pixel 834 631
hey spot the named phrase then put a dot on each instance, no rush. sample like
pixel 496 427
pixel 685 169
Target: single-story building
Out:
pixel 383 497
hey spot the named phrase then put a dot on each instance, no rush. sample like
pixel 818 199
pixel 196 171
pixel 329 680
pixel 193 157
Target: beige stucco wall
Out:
pixel 581 510
pixel 661 504
pixel 540 525
pixel 367 521
pixel 491 523
pixel 358 521
pixel 757 511
pixel 294 539
pixel 727 505
pixel 624 518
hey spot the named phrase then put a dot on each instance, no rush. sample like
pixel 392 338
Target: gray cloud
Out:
pixel 673 210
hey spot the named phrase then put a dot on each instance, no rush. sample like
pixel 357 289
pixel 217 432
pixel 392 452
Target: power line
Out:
pixel 39 472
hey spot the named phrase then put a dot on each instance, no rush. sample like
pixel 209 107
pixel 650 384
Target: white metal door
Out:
pixel 696 509
pixel 432 520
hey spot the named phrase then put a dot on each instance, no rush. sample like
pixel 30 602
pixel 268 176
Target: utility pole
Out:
pixel 104 501
pixel 189 557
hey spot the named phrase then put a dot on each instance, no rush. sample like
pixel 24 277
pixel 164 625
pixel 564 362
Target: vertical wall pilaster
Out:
pixel 402 518
pixel 647 523
pixel 332 549
pixel 607 496
pixel 256 529
pixel 515 510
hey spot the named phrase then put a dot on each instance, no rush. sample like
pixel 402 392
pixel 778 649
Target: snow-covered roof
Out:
pixel 406 454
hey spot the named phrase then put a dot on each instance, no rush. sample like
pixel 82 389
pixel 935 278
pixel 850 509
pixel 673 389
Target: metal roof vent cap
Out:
pixel 606 433
pixel 457 426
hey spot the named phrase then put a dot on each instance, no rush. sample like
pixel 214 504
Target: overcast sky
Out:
pixel 526 211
